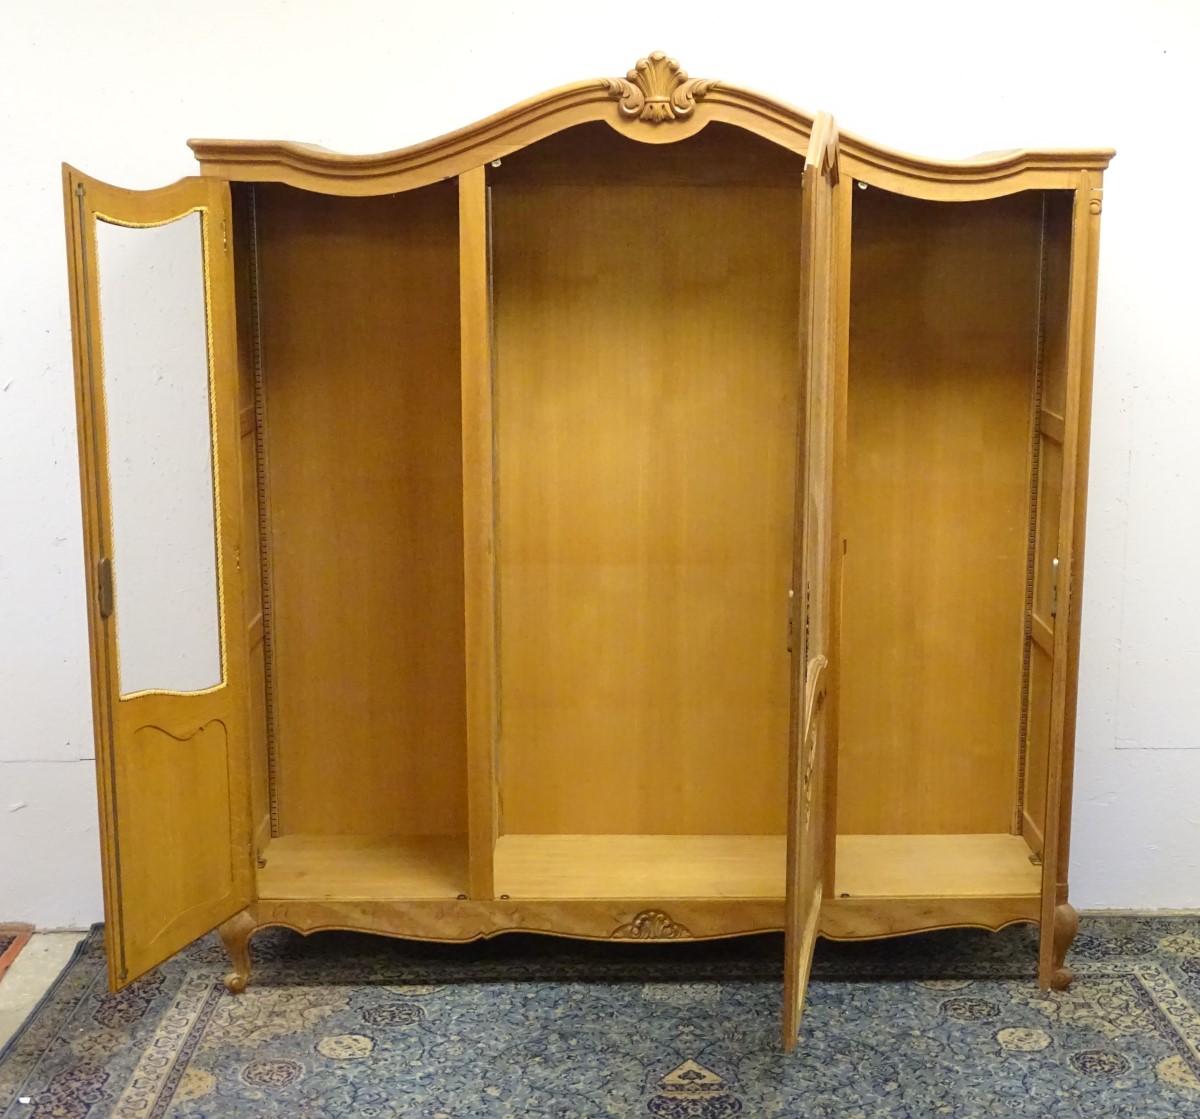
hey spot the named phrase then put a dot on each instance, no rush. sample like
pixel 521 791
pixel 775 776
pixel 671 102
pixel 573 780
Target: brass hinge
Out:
pixel 1054 587
pixel 104 586
pixel 790 600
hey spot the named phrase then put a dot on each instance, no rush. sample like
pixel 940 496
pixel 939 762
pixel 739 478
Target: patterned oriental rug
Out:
pixel 343 1026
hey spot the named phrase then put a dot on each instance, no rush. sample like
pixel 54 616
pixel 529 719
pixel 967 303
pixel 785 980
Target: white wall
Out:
pixel 116 88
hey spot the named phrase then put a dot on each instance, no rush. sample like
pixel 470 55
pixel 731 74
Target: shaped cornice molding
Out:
pixel 657 102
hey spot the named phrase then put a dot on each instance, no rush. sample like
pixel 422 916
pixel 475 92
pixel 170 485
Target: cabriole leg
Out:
pixel 236 933
pixel 1066 925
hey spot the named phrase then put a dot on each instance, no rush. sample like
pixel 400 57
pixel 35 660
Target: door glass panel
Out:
pixel 1049 504
pixel 154 333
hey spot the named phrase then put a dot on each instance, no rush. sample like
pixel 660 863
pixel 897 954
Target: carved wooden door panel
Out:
pixel 156 394
pixel 810 582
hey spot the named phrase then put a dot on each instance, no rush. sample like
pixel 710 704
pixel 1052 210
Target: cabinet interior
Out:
pixel 355 351
pixel 646 352
pixel 955 389
pixel 645 375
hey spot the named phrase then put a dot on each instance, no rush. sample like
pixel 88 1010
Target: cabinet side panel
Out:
pixel 943 345
pixel 360 350
pixel 646 378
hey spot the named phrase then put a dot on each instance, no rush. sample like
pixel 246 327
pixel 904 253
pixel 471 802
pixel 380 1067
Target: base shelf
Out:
pixel 935 866
pixel 644 867
pixel 359 867
pixel 753 866
pixel 640 866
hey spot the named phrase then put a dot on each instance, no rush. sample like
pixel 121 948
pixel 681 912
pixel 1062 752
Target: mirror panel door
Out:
pixel 151 301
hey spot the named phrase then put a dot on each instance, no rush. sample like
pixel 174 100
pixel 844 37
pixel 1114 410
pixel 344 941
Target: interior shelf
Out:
pixel 313 867
pixel 753 866
pixel 640 866
pixel 352 867
pixel 935 866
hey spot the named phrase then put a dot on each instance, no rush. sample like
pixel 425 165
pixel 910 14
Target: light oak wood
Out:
pixel 358 867
pixel 843 215
pixel 251 551
pixel 235 935
pixel 959 866
pixel 809 795
pixel 644 496
pixel 478 503
pixel 173 769
pixel 509 511
pixel 600 919
pixel 1046 483
pixel 649 866
pixel 628 920
pixel 687 919
pixel 1058 919
pixel 1051 425
pixel 943 327
pixel 360 348
pixel 873 918
pixel 616 103
pixel 740 866
pixel 1037 735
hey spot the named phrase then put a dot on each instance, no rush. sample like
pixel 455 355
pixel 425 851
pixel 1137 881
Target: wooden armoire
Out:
pixel 645 514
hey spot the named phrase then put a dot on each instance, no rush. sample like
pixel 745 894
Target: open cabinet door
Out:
pixel 156 394
pixel 810 648
pixel 1063 400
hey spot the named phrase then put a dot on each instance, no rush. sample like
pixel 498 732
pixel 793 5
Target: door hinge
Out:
pixel 104 586
pixel 807 617
pixel 1054 587
pixel 790 600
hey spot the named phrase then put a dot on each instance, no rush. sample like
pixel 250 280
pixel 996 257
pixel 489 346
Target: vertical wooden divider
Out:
pixel 478 543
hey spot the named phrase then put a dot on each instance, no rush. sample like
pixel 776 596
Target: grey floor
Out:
pixel 36 967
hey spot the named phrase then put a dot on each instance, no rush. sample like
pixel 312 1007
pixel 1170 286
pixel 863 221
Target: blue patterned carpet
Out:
pixel 341 1026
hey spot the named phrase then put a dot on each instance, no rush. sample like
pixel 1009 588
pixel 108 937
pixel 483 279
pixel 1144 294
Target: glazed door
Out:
pixel 1070 256
pixel 156 393
pixel 810 647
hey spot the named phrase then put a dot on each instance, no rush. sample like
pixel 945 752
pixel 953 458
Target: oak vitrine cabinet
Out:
pixel 644 515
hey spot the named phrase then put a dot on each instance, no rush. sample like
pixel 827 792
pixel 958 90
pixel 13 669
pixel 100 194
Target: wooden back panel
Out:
pixel 943 344
pixel 646 376
pixel 360 350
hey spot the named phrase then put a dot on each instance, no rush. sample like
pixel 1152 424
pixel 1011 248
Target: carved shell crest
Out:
pixel 651 924
pixel 658 89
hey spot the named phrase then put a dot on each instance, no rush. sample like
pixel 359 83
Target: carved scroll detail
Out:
pixel 657 89
pixel 810 759
pixel 651 924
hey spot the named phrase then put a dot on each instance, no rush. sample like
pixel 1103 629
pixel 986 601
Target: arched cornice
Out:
pixel 656 102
